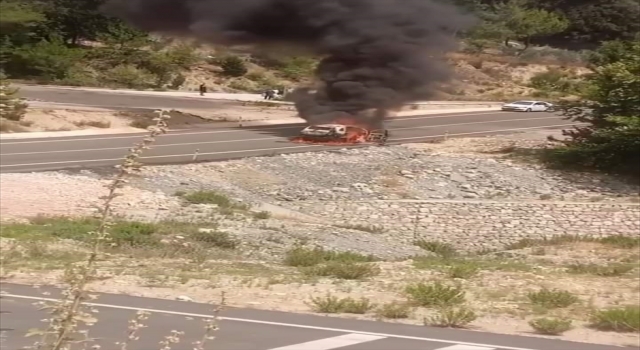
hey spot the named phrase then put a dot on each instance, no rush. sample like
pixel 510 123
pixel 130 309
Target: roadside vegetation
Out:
pixel 65 43
pixel 441 287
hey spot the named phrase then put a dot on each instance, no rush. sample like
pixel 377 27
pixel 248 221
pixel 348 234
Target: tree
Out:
pixel 47 59
pixel 518 21
pixel 611 108
pixel 11 107
pixel 74 20
pixel 233 66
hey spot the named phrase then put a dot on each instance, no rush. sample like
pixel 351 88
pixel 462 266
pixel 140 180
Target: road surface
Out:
pixel 249 329
pixel 214 143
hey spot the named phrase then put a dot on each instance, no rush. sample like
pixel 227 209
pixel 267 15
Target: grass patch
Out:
pixel 93 123
pixel 36 255
pixel 305 257
pixel 261 215
pixel 451 317
pixel 212 238
pixel 550 326
pixel 344 270
pixel 622 320
pixel 394 310
pixel 330 304
pixel 610 270
pixel 617 241
pixel 552 298
pixel 467 267
pixel 434 294
pixel 363 228
pixel 438 248
pixel 212 197
pixel 123 234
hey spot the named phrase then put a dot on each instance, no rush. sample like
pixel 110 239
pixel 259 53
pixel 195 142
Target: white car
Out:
pixel 528 106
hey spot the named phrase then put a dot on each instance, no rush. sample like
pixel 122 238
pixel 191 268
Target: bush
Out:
pixel 330 304
pixel 305 257
pixel 463 270
pixel 11 107
pixel 214 238
pixel 233 66
pixel 611 270
pixel 50 60
pixel 550 326
pixel 129 76
pixel 298 68
pixel 452 317
pixel 394 310
pixel 554 80
pixel 343 270
pixel 441 249
pixel 212 197
pixel 624 319
pixel 435 294
pixel 552 299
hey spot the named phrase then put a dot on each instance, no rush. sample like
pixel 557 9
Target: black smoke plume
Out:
pixel 377 54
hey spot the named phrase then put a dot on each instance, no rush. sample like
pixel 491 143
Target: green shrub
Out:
pixel 50 60
pixel 298 68
pixel 343 270
pixel 451 317
pixel 395 310
pixel 623 319
pixel 434 294
pixel 441 249
pixel 129 76
pixel 463 270
pixel 550 326
pixel 233 66
pixel 552 299
pixel 213 197
pixel 330 304
pixel 610 270
pixel 11 106
pixel 215 239
pixel 305 257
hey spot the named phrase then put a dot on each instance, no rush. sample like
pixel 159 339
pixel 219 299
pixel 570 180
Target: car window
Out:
pixel 522 103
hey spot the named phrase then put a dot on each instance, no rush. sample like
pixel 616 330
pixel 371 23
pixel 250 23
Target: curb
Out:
pixel 86 132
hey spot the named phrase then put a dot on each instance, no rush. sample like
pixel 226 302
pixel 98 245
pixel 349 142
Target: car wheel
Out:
pixel 528 110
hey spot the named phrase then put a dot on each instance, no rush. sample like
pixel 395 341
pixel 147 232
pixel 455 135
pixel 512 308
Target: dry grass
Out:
pixel 70 314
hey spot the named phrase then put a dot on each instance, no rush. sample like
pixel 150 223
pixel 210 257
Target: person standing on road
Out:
pixel 203 89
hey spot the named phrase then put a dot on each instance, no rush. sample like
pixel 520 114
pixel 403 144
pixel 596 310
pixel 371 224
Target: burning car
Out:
pixel 340 134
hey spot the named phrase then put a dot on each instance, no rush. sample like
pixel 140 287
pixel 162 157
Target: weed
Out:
pixel 344 270
pixel 330 304
pixel 363 228
pixel 434 294
pixel 464 270
pixel 93 123
pixel 358 306
pixel 618 241
pixel 212 197
pixel 550 326
pixel 622 319
pixel 552 299
pixel 438 248
pixel 213 238
pixel 452 317
pixel 610 270
pixel 394 310
pixel 305 257
pixel 262 215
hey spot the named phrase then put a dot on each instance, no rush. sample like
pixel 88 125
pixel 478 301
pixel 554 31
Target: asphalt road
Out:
pixel 250 329
pixel 119 100
pixel 214 143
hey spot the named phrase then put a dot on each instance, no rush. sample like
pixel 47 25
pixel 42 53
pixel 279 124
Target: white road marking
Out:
pixel 279 148
pixel 332 343
pixel 465 347
pixel 262 139
pixel 290 325
pixel 178 132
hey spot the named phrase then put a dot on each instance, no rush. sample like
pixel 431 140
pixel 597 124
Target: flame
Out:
pixel 356 134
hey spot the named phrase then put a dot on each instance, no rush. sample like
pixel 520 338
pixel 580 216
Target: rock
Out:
pixel 457 177
pixel 183 298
